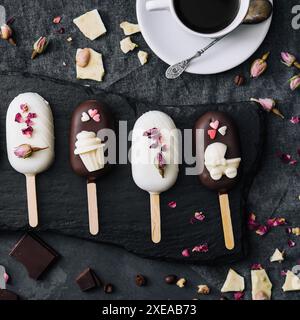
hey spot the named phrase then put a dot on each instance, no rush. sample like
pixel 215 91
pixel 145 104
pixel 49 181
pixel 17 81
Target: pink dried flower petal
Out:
pixel 31 115
pixel 161 161
pixel 164 148
pixel 27 132
pixel 293 162
pixel 283 273
pixel 239 296
pixel 19 118
pixel 6 277
pixel 262 230
pixel 267 103
pixel 295 120
pixel 275 222
pixel 286 158
pixel 151 133
pixel 24 107
pixel 153 145
pixel 57 20
pixel 252 224
pixel 172 204
pixel 256 266
pixel 288 230
pixel 199 216
pixel 185 253
pixel 201 248
pixel 291 243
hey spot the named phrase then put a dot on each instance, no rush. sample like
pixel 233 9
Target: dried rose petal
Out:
pixel 185 253
pixel 19 118
pixel 57 20
pixel 262 230
pixel 283 273
pixel 256 266
pixel 295 120
pixel 252 224
pixel 6 277
pixel 286 158
pixel 27 132
pixel 293 162
pixel 239 296
pixel 31 115
pixel 275 222
pixel 172 204
pixel 289 230
pixel 151 133
pixel 199 216
pixel 201 248
pixel 153 145
pixel 24 107
pixel 291 243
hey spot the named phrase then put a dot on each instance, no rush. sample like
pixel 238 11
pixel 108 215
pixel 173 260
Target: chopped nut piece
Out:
pixel 261 284
pixel 181 283
pixel 129 28
pixel 91 24
pixel 127 45
pixel 203 289
pixel 143 57
pixel 277 256
pixel 234 282
pixel 296 231
pixel 94 70
pixel 292 282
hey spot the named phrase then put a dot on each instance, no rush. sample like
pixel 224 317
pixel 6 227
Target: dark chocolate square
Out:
pixel 34 254
pixel 88 280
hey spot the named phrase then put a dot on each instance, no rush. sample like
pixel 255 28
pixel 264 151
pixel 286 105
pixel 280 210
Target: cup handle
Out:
pixel 154 5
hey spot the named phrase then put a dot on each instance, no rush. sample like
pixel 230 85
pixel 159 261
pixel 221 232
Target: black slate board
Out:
pixel 123 208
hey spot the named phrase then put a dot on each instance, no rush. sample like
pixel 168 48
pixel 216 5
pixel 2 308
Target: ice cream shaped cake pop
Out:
pixel 30 142
pixel 87 150
pixel 155 158
pixel 222 158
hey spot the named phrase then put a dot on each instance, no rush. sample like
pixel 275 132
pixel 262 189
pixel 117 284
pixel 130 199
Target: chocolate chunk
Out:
pixel 34 254
pixel 6 295
pixel 88 280
pixel 108 288
pixel 171 279
pixel 140 280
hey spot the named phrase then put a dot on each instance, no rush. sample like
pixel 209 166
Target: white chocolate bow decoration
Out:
pixel 216 163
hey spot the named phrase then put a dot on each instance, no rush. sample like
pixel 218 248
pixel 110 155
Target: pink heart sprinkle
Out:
pixel 212 134
pixel 97 118
pixel 215 124
pixel 92 112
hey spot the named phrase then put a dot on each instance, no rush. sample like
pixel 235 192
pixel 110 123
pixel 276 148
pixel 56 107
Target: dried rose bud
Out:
pixel 268 105
pixel 295 82
pixel 289 60
pixel 259 66
pixel 39 46
pixel 26 150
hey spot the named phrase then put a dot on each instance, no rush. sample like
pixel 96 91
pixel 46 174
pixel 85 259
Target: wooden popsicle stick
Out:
pixel 226 220
pixel 32 201
pixel 93 208
pixel 155 218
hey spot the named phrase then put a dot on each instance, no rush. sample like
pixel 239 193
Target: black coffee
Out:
pixel 207 16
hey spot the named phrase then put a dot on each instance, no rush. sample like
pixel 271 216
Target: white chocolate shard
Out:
pixel 292 282
pixel 127 45
pixel 91 24
pixel 277 256
pixel 234 282
pixel 143 57
pixel 95 68
pixel 130 28
pixel 261 284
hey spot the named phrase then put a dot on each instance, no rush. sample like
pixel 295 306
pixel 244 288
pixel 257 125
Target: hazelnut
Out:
pixel 203 289
pixel 171 279
pixel 239 80
pixel 140 280
pixel 181 283
pixel 83 57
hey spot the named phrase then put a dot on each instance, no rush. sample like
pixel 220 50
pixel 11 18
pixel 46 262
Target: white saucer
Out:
pixel 172 44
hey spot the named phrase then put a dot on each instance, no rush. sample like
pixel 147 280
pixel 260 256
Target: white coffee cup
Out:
pixel 153 5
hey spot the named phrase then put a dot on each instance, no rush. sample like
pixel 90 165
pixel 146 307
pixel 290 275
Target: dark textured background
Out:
pixel 276 187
